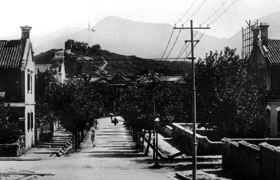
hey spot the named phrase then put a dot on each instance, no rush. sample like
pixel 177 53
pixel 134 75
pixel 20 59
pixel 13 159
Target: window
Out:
pixel 31 114
pixel 28 83
pixel 28 121
pixel 278 122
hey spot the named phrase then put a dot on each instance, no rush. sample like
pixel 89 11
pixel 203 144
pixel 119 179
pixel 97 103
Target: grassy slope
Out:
pixel 77 64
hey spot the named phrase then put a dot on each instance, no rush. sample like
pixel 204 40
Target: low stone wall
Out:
pixel 250 160
pixel 14 149
pixel 205 146
pixel 167 131
pixel 9 150
pixel 270 162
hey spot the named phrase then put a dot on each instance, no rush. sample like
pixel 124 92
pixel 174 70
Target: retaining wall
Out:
pixel 167 131
pixel 204 147
pixel 250 160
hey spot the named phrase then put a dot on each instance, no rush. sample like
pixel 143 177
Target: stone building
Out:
pixel 264 61
pixel 17 80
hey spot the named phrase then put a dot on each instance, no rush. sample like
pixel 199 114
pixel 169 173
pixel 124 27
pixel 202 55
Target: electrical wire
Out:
pixel 187 11
pixel 195 11
pixel 213 21
pixel 167 44
pixel 220 15
pixel 215 12
pixel 177 37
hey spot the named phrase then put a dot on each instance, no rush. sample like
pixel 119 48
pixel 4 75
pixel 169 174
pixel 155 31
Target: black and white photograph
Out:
pixel 140 90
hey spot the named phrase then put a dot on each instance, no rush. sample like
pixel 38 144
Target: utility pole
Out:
pixel 194 93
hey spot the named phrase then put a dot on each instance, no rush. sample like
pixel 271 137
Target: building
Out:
pixel 17 80
pixel 55 64
pixel 264 61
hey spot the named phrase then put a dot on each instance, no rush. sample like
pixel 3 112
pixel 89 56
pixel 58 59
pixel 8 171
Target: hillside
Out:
pixel 102 62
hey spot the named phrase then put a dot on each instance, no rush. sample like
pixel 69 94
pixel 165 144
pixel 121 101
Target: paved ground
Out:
pixel 47 150
pixel 113 157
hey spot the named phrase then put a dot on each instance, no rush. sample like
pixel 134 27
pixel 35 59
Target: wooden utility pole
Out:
pixel 194 93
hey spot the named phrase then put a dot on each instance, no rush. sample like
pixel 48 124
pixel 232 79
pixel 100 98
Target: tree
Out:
pixel 229 98
pixel 76 104
pixel 10 129
pixel 43 111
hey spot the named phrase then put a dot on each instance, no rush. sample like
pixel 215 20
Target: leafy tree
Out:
pixel 229 98
pixel 76 104
pixel 10 129
pixel 43 111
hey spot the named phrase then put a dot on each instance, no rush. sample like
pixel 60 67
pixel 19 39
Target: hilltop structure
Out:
pixel 17 85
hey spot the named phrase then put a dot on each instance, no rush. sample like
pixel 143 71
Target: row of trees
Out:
pixel 229 101
pixel 74 104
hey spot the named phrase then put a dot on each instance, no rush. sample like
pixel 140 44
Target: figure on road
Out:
pixel 93 137
pixel 115 121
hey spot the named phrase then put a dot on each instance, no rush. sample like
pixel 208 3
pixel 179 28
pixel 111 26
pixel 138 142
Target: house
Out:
pixel 118 84
pixel 52 60
pixel 17 75
pixel 264 62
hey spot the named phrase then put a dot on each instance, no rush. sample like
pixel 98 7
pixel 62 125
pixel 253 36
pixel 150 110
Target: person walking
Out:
pixel 93 137
pixel 116 121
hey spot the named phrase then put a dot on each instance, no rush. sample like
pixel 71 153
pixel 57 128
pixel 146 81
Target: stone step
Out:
pixel 49 146
pixel 200 165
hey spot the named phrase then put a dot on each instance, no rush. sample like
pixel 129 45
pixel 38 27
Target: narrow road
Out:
pixel 102 68
pixel 113 158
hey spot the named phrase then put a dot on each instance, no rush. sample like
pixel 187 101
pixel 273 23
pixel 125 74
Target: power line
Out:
pixel 177 37
pixel 195 11
pixel 215 12
pixel 219 16
pixel 183 49
pixel 180 19
pixel 213 21
pixel 206 20
pixel 187 11
pixel 167 44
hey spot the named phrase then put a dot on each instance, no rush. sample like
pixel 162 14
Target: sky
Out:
pixel 47 16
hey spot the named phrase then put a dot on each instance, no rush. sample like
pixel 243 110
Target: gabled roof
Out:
pixel 119 79
pixel 11 53
pixel 272 51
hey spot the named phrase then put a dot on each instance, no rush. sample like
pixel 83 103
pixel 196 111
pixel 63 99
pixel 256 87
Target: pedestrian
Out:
pixel 95 122
pixel 115 121
pixel 93 137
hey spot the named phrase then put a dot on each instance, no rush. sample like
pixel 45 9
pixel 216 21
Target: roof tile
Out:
pixel 273 54
pixel 11 53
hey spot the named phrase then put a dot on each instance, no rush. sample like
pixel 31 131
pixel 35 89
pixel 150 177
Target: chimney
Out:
pixel 264 31
pixel 256 32
pixel 25 32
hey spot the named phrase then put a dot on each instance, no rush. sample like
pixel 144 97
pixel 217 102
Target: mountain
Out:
pixel 147 40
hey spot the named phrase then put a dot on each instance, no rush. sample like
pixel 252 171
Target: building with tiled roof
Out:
pixel 264 61
pixel 17 81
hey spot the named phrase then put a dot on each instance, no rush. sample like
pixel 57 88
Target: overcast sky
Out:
pixel 49 15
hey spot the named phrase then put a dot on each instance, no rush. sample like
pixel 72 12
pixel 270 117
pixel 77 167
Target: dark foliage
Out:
pixel 9 125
